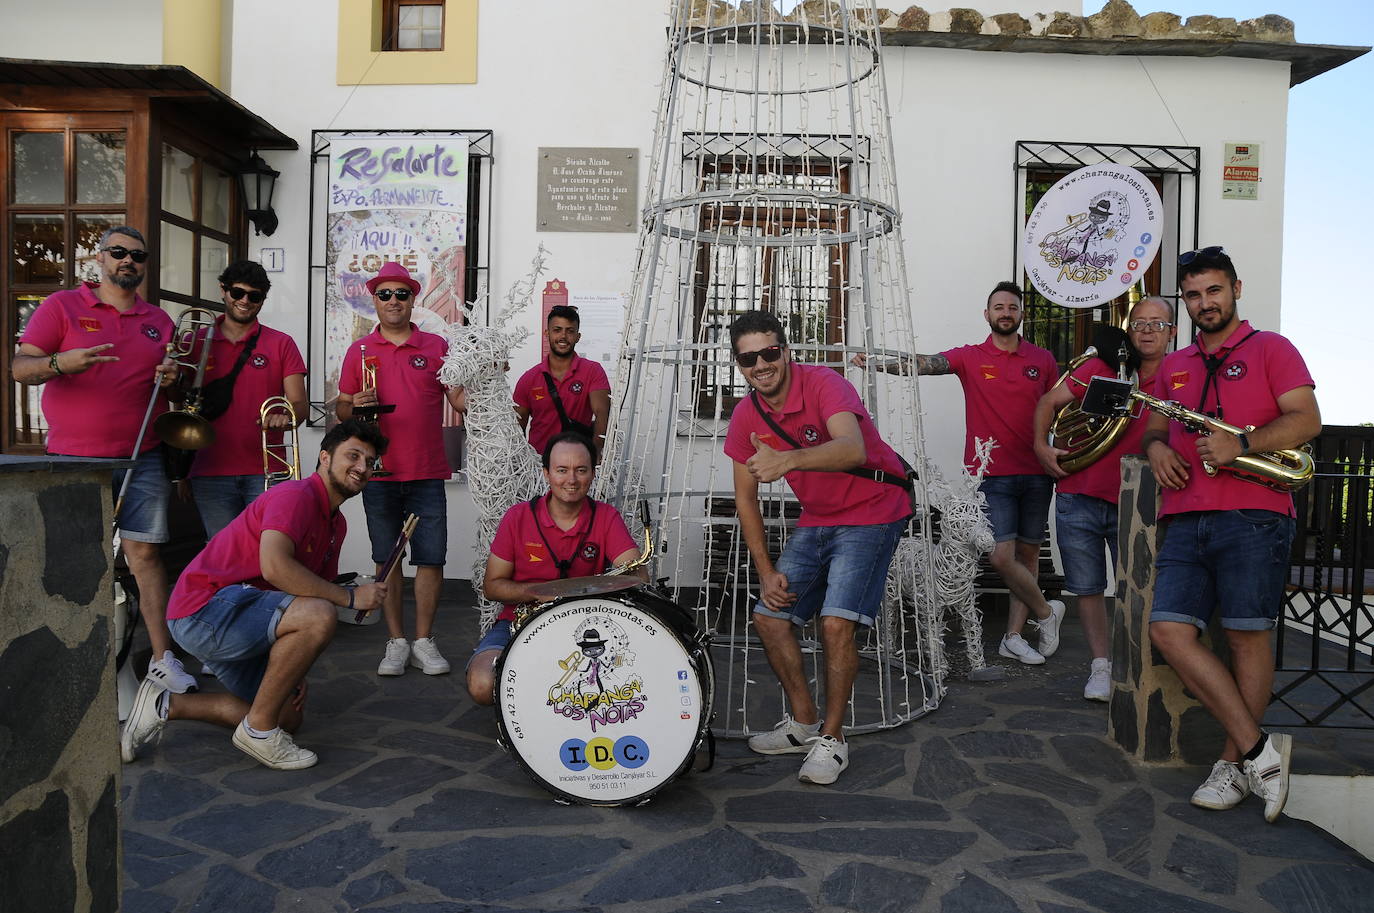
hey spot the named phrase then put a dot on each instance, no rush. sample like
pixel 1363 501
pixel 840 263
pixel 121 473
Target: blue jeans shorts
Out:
pixel 144 517
pixel 1234 562
pixel 838 570
pixel 1018 506
pixel 1084 525
pixel 387 504
pixel 233 635
pixel 222 498
pixel 498 638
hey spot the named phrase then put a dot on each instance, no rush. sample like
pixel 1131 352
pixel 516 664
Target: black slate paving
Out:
pixel 1008 797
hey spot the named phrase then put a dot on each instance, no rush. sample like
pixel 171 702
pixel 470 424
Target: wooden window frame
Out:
pixel 391 23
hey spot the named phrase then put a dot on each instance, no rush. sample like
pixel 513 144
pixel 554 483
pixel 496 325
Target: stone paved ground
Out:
pixel 1008 798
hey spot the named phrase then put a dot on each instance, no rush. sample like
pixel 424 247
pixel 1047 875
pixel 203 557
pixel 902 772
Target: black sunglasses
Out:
pixel 1206 253
pixel 119 253
pixel 749 359
pixel 254 296
pixel 385 294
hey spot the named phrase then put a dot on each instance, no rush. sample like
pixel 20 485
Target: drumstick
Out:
pixel 392 560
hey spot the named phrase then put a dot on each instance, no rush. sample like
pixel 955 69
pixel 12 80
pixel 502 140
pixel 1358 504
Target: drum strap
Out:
pixel 564 565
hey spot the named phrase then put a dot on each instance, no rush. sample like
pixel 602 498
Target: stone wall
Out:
pixel 59 748
pixel 1152 716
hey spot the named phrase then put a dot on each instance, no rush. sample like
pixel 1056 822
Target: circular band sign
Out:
pixel 1092 235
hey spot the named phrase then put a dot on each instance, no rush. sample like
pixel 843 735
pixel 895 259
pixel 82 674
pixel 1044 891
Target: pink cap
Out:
pixel 393 272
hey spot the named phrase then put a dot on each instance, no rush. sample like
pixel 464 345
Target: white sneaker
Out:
pixel 397 652
pixel 170 675
pixel 1268 774
pixel 1014 646
pixel 1099 686
pixel 788 737
pixel 1049 628
pixel 826 760
pixel 1224 787
pixel 145 722
pixel 424 655
pixel 277 751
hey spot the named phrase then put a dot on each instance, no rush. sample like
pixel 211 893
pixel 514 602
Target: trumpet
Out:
pixel 371 413
pixel 1282 470
pixel 281 461
pixel 186 428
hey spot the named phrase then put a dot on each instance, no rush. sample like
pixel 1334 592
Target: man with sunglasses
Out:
pixel 1085 504
pixel 806 424
pixel 405 362
pixel 98 350
pixel 564 392
pixel 253 362
pixel 1226 542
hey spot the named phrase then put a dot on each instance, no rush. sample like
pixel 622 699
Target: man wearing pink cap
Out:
pixel 97 350
pixel 408 402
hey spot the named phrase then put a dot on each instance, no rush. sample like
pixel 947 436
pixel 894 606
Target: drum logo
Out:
pixel 596 681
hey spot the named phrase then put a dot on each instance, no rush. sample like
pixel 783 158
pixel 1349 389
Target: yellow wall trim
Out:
pixel 191 37
pixel 360 33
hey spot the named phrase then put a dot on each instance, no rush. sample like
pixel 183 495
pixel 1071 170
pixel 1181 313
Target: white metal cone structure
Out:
pixel 771 186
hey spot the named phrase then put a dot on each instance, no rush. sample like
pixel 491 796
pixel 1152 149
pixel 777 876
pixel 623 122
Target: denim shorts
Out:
pixel 222 498
pixel 1084 524
pixel 1231 561
pixel 838 570
pixel 387 504
pixel 1018 506
pixel 498 638
pixel 233 635
pixel 144 517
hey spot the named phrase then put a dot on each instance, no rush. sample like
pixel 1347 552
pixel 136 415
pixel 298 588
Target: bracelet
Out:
pixel 52 362
pixel 351 591
pixel 1244 443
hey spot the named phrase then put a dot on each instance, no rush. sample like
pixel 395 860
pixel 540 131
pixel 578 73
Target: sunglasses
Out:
pixel 749 359
pixel 1206 253
pixel 1140 326
pixel 236 293
pixel 402 294
pixel 119 253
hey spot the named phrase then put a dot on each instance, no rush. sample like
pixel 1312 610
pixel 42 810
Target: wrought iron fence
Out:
pixel 1324 664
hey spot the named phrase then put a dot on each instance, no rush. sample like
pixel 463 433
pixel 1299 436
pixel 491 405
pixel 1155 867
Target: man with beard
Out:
pixel 228 475
pixel 405 362
pixel 564 392
pixel 1085 502
pixel 1003 378
pixel 806 424
pixel 98 350
pixel 1226 545
pixel 257 606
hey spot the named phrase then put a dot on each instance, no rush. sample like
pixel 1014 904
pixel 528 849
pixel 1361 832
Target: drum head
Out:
pixel 600 700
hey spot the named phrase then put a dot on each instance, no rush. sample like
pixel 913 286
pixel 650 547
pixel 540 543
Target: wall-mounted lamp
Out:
pixel 258 181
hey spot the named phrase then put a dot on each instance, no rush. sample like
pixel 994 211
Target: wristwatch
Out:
pixel 1244 443
pixel 52 363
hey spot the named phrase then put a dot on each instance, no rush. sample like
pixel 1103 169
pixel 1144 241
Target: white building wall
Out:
pixel 130 32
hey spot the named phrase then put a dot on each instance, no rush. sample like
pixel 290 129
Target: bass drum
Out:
pixel 605 700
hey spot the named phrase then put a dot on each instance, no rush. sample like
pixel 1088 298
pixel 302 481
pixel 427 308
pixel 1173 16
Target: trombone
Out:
pixel 186 428
pixel 281 460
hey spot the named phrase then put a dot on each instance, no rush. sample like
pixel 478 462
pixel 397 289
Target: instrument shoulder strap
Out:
pixel 905 482
pixel 567 423
pixel 1213 363
pixel 564 565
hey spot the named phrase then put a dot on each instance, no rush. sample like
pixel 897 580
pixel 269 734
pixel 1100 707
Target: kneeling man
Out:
pixel 258 608
pixel 562 534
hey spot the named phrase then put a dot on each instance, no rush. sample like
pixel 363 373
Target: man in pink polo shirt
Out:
pixel 255 362
pixel 258 607
pixel 806 424
pixel 1003 378
pixel 559 535
pixel 1226 545
pixel 405 362
pixel 1085 501
pixel 564 392
pixel 98 350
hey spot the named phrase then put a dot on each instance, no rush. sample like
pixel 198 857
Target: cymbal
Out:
pixel 582 586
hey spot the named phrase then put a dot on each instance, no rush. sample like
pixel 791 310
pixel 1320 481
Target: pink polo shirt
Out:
pixel 518 541
pixel 1103 478
pixel 1257 371
pixel 827 498
pixel 98 412
pixel 298 509
pixel 407 377
pixel 574 389
pixel 1000 393
pixel 237 450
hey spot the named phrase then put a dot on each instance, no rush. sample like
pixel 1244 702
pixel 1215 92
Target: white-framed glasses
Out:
pixel 1158 326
